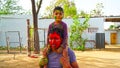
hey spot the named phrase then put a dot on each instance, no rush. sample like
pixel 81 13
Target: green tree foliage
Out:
pixel 76 31
pixel 82 14
pixel 98 10
pixel 9 7
pixel 31 38
pixel 68 6
pixel 112 27
pixel 69 9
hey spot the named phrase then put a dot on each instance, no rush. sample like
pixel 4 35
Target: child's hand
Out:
pixel 45 51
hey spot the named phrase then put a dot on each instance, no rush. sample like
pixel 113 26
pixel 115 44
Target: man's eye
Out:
pixel 57 39
pixel 50 39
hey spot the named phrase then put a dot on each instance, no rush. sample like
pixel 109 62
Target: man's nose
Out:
pixel 53 41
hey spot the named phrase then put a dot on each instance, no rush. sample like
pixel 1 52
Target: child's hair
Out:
pixel 58 8
pixel 58 31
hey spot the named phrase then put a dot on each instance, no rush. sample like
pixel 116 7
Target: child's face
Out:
pixel 55 40
pixel 58 15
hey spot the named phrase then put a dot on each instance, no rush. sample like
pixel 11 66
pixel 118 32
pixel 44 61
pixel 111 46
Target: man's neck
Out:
pixel 54 50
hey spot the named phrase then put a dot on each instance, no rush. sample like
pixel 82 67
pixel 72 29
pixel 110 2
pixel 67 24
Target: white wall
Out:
pixel 18 23
pixel 13 23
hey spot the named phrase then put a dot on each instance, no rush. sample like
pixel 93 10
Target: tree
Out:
pixel 35 10
pixel 69 9
pixel 9 7
pixel 98 10
pixel 83 14
pixel 76 31
pixel 68 6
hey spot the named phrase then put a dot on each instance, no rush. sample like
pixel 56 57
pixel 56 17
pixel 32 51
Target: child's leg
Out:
pixel 60 49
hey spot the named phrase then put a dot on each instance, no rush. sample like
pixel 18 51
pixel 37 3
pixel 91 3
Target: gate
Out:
pixel 42 37
pixel 13 40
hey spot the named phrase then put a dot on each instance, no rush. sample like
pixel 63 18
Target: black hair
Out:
pixel 58 31
pixel 58 8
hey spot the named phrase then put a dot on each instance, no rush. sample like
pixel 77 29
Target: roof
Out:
pixel 112 20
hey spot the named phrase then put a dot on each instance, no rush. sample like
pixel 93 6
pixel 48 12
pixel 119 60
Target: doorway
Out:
pixel 113 38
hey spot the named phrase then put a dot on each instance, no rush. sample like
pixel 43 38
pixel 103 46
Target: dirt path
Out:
pixel 104 58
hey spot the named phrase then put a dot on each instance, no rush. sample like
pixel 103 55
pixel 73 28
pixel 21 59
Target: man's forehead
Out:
pixel 54 34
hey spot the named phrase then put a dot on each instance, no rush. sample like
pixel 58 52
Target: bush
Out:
pixel 76 31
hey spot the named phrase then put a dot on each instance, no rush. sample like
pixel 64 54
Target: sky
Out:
pixel 111 7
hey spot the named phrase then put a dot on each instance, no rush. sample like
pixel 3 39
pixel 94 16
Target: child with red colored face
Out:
pixel 66 59
pixel 58 15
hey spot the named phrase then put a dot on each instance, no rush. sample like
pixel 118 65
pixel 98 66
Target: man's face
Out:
pixel 58 15
pixel 55 40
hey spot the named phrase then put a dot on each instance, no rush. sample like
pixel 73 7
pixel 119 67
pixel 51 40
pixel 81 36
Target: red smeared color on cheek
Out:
pixel 54 40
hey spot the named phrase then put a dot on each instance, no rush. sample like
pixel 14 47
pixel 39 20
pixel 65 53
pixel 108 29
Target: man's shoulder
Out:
pixel 70 50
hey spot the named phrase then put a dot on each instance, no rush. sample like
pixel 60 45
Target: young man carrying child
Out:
pixel 54 59
pixel 57 54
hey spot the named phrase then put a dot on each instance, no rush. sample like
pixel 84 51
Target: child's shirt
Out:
pixel 63 26
pixel 54 59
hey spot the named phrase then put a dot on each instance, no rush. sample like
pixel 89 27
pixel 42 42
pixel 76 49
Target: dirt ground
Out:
pixel 90 58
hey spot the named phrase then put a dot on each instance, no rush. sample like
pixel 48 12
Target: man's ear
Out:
pixel 61 40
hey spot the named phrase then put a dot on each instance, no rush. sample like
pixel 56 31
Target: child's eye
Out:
pixel 60 13
pixel 56 13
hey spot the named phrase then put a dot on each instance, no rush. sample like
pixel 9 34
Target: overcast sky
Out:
pixel 111 7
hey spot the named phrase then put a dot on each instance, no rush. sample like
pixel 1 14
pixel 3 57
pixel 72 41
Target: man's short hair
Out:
pixel 57 30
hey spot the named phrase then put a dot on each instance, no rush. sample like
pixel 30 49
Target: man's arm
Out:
pixel 74 65
pixel 64 60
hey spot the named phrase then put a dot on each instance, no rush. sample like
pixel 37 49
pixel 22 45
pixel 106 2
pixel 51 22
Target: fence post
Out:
pixel 20 42
pixel 8 49
pixel 28 35
pixel 44 37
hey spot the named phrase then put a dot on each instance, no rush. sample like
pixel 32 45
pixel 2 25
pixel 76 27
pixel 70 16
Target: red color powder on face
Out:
pixel 55 40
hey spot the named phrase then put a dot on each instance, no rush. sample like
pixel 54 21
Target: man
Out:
pixel 52 58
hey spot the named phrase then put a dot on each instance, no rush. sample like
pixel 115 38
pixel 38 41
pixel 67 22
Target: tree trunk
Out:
pixel 36 36
pixel 35 23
